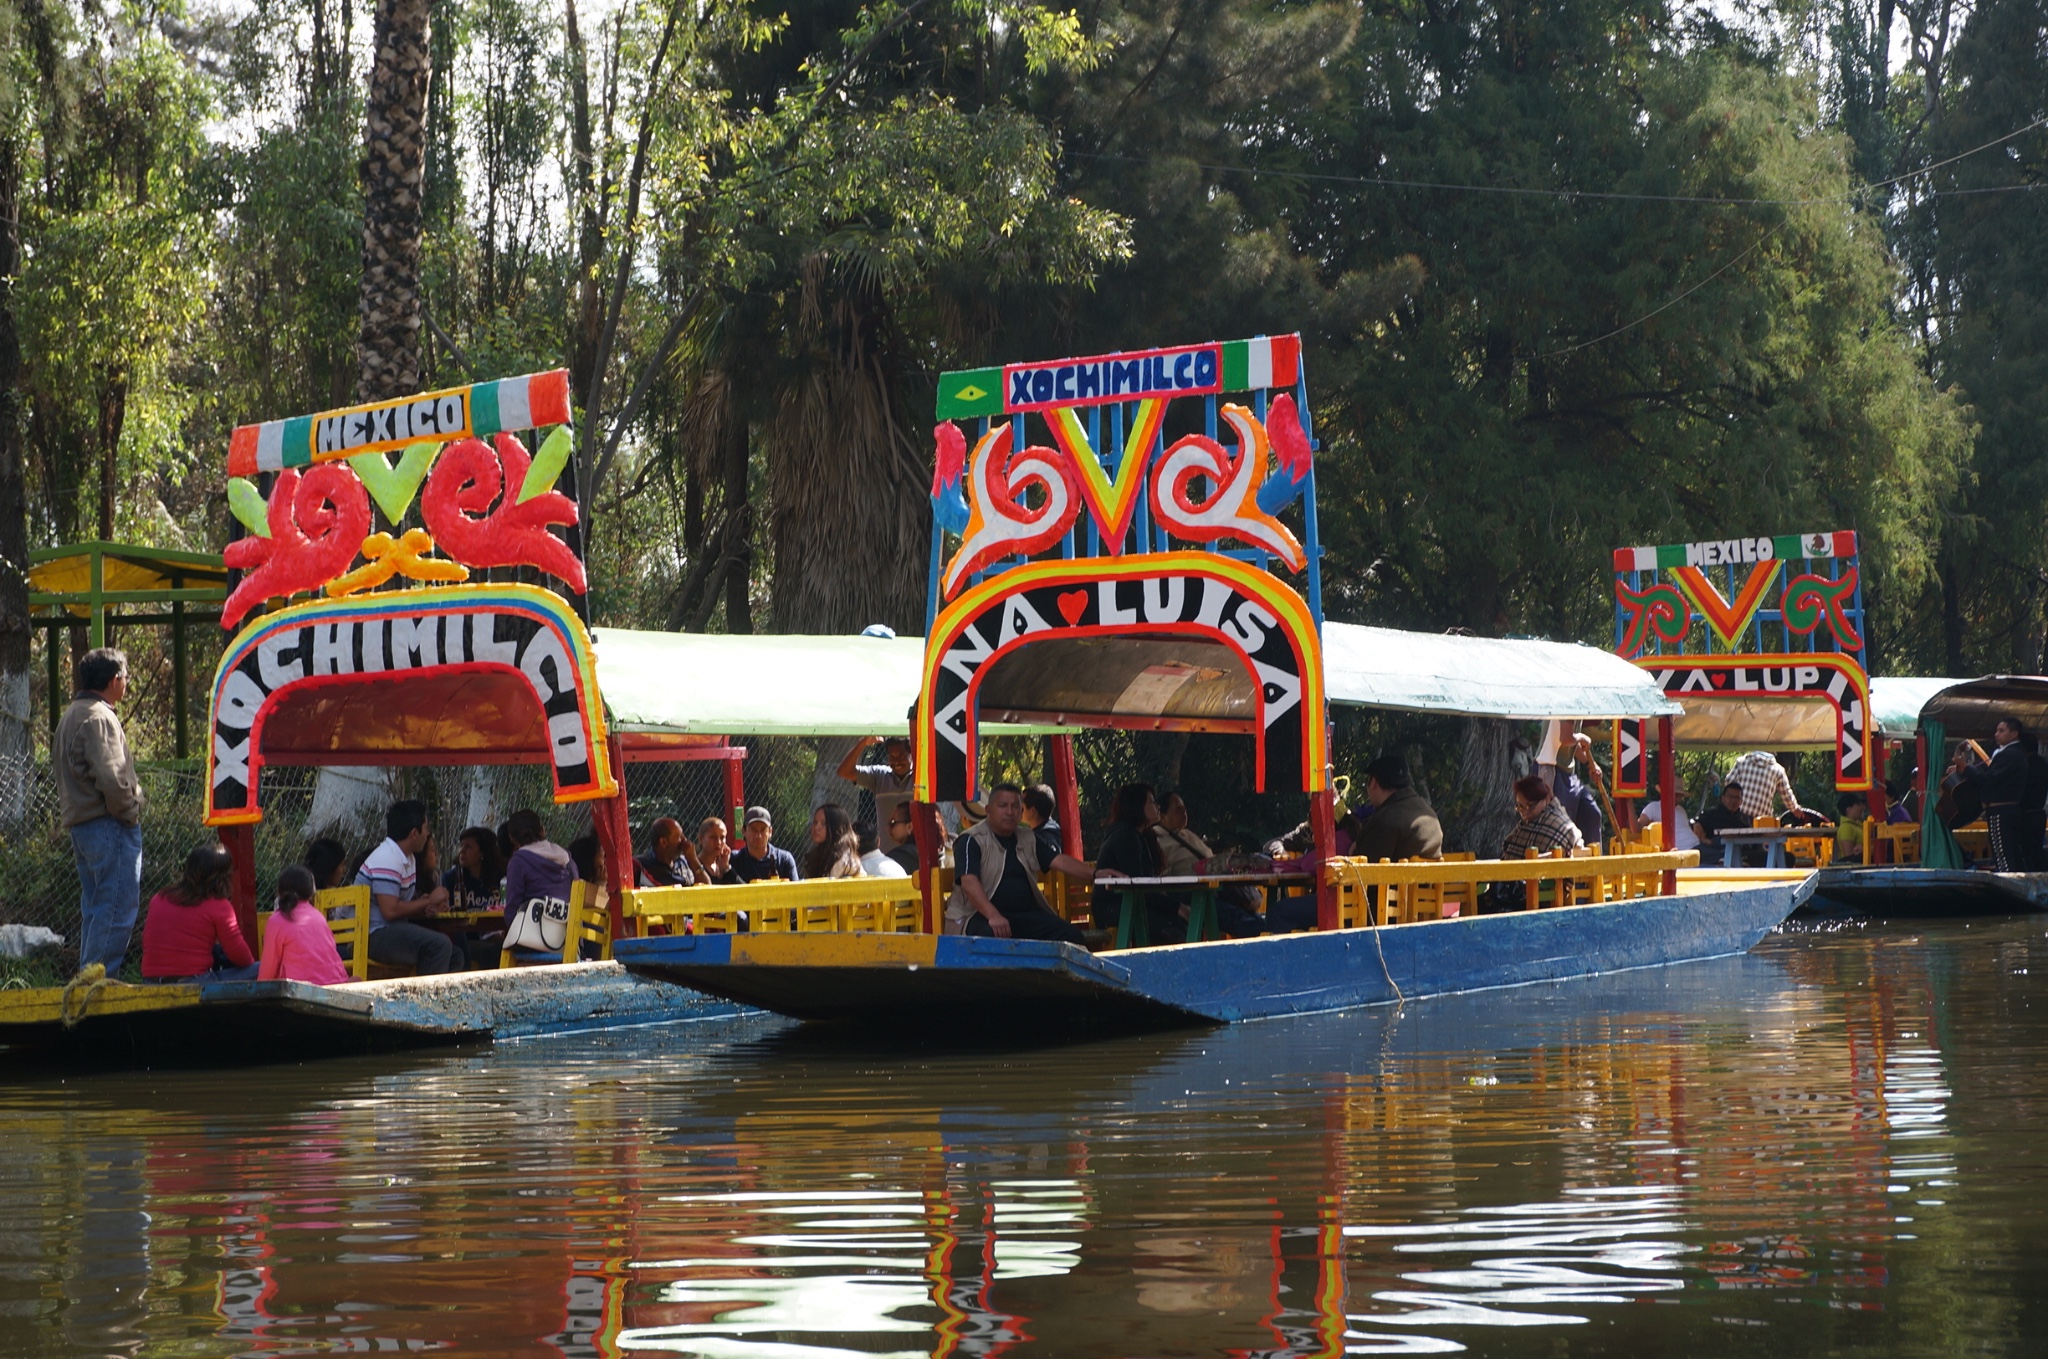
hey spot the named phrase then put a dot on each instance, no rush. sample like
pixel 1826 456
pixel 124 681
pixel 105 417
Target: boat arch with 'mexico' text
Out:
pixel 1188 641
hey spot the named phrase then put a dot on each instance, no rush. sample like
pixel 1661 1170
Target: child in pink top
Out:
pixel 297 944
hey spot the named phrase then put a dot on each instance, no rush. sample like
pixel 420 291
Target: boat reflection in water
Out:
pixel 1627 1164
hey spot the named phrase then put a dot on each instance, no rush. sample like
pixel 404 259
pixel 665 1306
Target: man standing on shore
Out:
pixel 101 804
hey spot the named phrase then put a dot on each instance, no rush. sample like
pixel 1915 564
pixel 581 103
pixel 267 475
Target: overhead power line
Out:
pixel 1520 191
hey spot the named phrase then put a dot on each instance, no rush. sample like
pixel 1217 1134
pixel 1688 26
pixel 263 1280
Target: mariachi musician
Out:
pixel 2002 784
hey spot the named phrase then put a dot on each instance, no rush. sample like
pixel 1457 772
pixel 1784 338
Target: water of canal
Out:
pixel 1831 1146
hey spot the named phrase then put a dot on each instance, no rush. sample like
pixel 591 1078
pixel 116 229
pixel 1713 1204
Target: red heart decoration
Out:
pixel 1073 604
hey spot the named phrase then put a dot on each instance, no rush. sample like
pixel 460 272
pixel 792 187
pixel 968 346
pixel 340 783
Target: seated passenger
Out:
pixel 538 880
pixel 1130 850
pixel 477 881
pixel 1402 824
pixel 757 859
pixel 586 851
pixel 873 862
pixel 1183 852
pixel 1041 808
pixel 1545 825
pixel 1684 834
pixel 391 872
pixel 899 838
pixel 1727 814
pixel 327 861
pixel 297 943
pixel 665 864
pixel 190 933
pixel 1854 810
pixel 997 866
pixel 835 850
pixel 714 851
pixel 1180 849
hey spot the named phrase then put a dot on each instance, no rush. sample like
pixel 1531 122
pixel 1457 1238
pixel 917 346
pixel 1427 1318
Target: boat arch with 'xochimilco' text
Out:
pixel 1169 641
pixel 473 674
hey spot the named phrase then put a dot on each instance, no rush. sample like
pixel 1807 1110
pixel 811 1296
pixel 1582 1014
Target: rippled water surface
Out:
pixel 1832 1146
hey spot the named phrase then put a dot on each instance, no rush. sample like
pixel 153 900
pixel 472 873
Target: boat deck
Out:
pixel 1910 892
pixel 229 1022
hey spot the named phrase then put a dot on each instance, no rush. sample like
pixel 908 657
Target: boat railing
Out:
pixel 823 905
pixel 1383 891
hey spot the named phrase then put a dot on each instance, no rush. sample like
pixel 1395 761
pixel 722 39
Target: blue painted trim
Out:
pixel 1231 980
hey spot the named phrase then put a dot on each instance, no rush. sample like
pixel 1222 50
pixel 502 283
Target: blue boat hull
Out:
pixel 871 977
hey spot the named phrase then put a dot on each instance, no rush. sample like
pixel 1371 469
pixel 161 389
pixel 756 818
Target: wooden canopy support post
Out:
pixel 1880 796
pixel 614 827
pixel 1920 769
pixel 1066 794
pixel 240 843
pixel 1667 790
pixel 924 822
pixel 1322 820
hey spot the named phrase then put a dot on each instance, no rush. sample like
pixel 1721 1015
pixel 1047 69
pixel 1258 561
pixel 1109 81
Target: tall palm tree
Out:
pixel 394 160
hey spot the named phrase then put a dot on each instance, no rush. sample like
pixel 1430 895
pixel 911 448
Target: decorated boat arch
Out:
pixel 407 588
pixel 1760 640
pixel 1115 544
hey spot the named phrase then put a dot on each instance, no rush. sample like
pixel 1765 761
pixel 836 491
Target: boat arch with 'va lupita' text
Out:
pixel 509 665
pixel 1153 599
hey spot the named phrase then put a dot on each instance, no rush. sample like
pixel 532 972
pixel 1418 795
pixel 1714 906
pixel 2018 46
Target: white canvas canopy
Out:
pixel 850 686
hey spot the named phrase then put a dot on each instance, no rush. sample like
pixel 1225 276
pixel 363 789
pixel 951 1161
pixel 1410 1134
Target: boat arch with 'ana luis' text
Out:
pixel 1180 641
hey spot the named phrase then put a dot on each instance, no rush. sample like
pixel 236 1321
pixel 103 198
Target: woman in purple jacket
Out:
pixel 538 878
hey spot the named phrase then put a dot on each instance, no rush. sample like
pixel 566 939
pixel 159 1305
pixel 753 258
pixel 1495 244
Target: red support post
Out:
pixel 1667 789
pixel 735 788
pixel 1880 796
pixel 614 827
pixel 240 843
pixel 1322 820
pixel 924 823
pixel 1066 794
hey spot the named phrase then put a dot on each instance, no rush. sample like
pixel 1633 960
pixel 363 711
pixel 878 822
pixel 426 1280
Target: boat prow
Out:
pixel 876 977
pixel 228 1023
pixel 1926 893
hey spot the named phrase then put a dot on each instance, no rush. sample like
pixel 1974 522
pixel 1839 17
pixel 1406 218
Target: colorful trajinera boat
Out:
pixel 1155 566
pixel 1939 864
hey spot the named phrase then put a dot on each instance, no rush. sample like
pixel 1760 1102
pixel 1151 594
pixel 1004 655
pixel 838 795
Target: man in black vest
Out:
pixel 2002 784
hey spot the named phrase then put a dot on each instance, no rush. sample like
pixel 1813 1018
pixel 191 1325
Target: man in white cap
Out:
pixel 757 859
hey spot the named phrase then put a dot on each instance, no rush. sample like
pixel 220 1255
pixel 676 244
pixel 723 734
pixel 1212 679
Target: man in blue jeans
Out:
pixel 102 808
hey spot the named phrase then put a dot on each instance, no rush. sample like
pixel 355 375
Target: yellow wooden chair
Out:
pixel 1901 842
pixel 590 920
pixel 348 915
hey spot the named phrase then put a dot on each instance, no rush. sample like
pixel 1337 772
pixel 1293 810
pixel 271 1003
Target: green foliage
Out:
pixel 114 284
pixel 1583 373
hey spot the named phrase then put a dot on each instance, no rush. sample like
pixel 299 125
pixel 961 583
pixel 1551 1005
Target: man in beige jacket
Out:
pixel 102 808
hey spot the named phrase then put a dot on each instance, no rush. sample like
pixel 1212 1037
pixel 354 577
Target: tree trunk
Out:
pixel 739 549
pixel 1487 770
pixel 15 732
pixel 394 159
pixel 113 415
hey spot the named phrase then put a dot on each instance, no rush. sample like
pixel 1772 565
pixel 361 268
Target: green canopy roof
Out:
pixel 1432 672
pixel 1896 701
pixel 758 685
